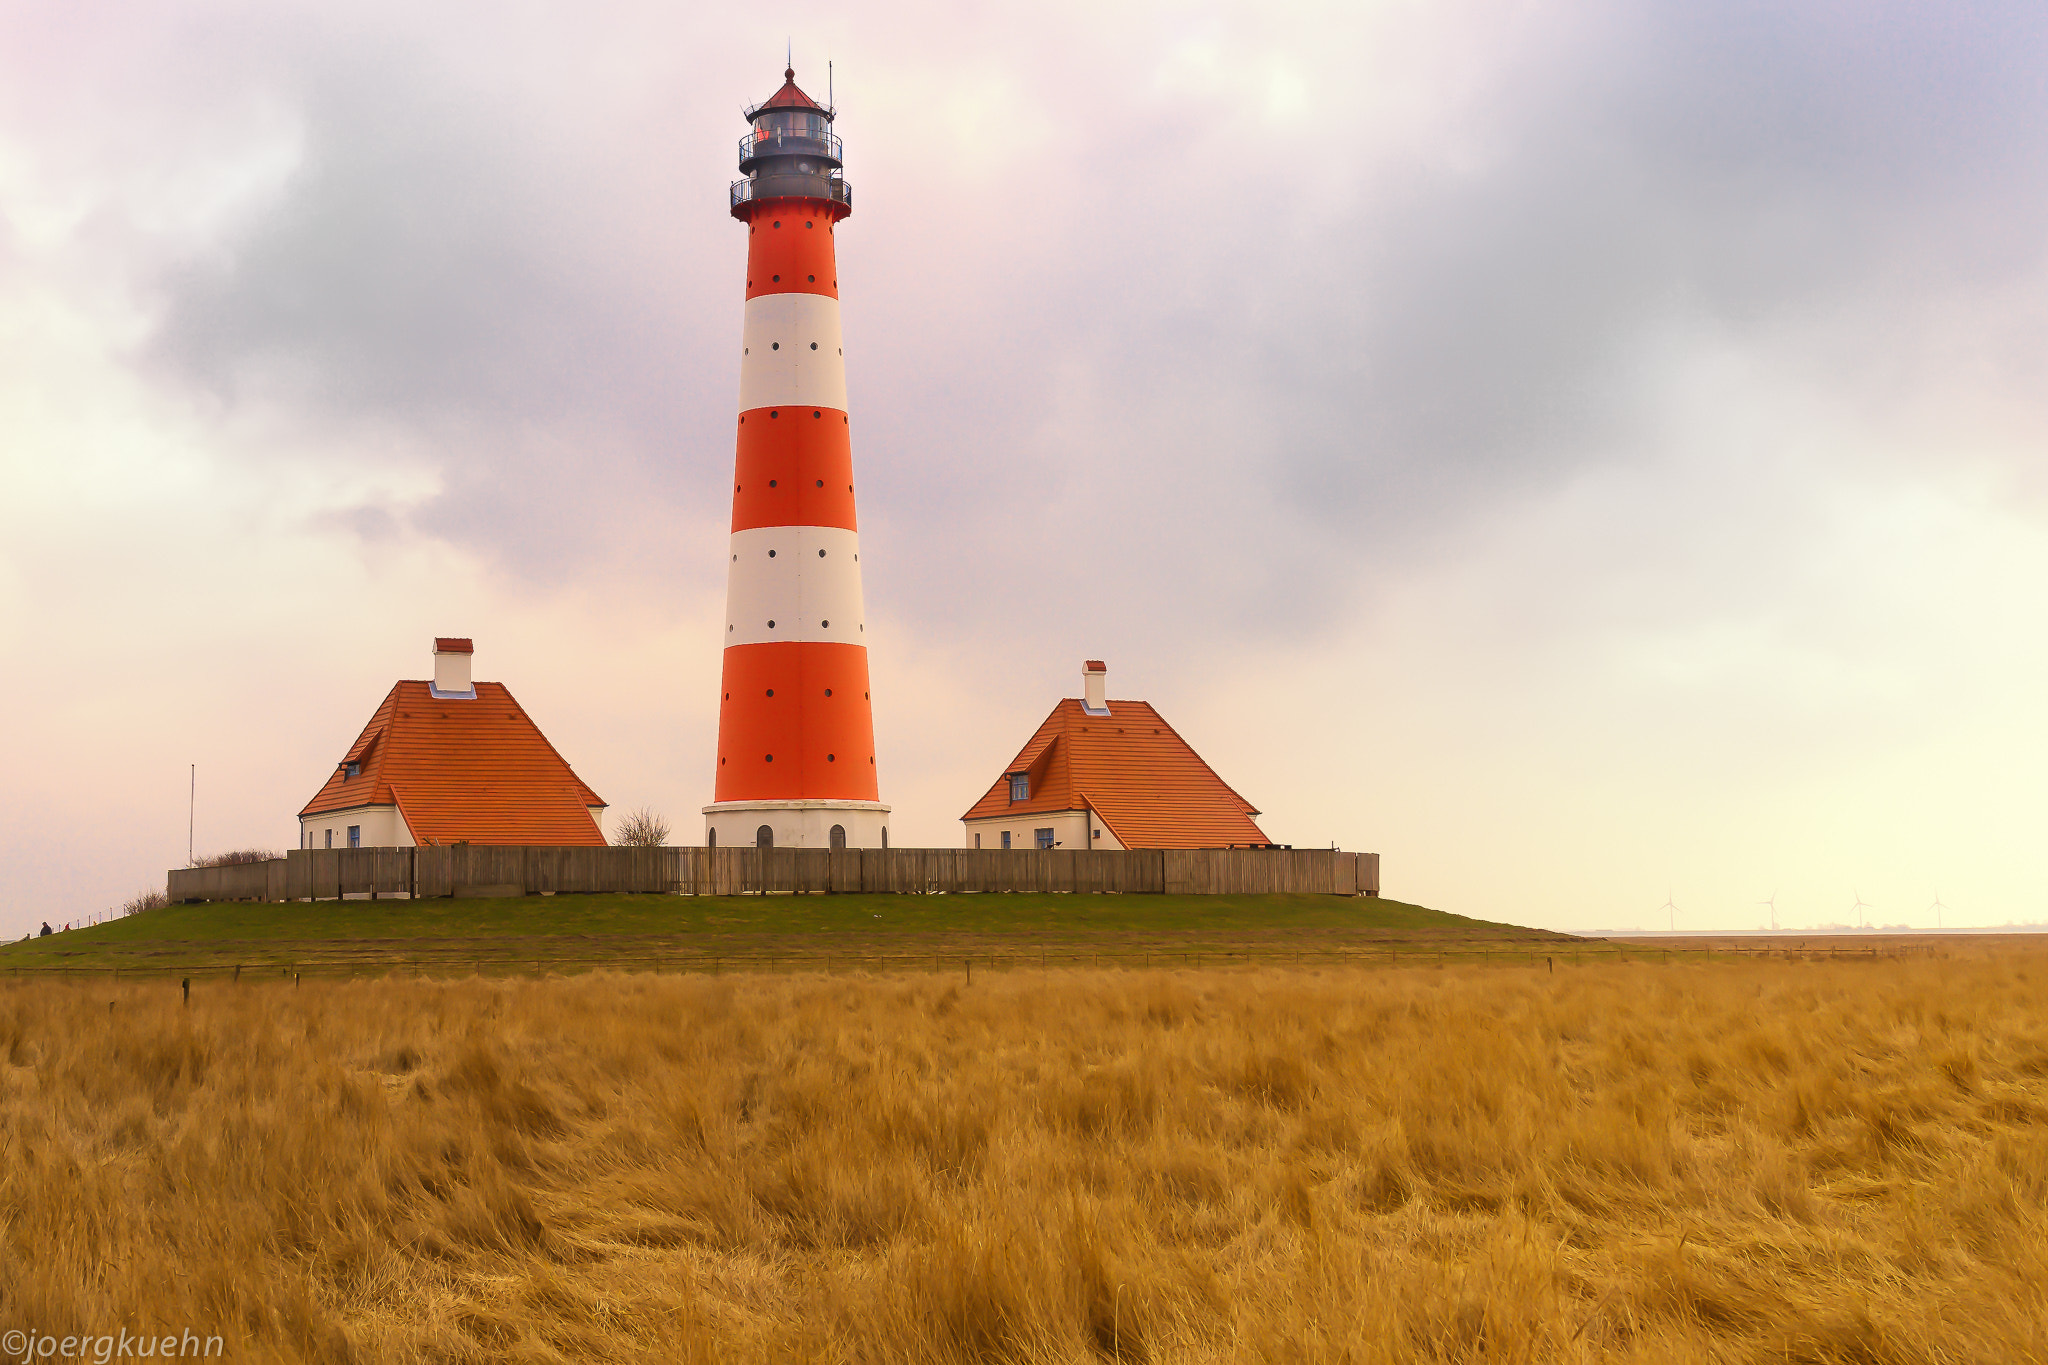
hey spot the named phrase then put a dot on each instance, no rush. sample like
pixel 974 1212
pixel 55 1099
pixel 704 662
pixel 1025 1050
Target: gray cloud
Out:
pixel 1305 356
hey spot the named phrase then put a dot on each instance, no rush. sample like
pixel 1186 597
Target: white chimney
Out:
pixel 1095 687
pixel 451 669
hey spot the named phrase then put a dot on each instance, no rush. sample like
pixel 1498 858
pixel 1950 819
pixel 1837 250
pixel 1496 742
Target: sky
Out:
pixel 1589 453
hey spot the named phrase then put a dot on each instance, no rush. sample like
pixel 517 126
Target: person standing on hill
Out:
pixel 46 930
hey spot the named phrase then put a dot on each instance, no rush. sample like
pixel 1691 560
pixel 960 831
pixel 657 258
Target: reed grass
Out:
pixel 1809 1162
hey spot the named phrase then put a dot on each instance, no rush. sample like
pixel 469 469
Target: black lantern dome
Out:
pixel 791 152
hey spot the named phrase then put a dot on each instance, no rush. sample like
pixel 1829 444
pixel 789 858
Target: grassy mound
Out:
pixel 565 930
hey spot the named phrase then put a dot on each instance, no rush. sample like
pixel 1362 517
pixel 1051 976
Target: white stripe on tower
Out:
pixel 791 353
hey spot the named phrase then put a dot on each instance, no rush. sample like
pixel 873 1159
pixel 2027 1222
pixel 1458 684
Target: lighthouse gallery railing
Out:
pixel 838 190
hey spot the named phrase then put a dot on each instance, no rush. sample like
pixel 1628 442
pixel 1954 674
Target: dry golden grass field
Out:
pixel 1717 1161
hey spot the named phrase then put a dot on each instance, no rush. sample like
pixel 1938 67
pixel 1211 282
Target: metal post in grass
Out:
pixel 186 985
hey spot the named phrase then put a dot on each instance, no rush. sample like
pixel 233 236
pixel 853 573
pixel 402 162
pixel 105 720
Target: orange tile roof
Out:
pixel 476 771
pixel 1150 787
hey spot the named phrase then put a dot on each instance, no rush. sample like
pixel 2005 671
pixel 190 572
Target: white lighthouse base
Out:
pixel 797 824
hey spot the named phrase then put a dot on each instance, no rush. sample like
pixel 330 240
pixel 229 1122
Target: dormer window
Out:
pixel 1020 786
pixel 355 770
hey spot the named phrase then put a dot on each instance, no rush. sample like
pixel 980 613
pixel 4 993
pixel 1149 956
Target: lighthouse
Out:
pixel 796 733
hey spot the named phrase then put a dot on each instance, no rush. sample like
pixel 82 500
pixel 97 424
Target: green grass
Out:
pixel 541 929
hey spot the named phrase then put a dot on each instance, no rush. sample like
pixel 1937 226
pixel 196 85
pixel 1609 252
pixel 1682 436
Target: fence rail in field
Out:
pixel 510 870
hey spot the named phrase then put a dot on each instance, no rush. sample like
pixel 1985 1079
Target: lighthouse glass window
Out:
pixel 791 123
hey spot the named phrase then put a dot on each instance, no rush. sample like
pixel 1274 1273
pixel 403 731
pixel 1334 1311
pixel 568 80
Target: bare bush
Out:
pixel 145 900
pixel 644 828
pixel 237 857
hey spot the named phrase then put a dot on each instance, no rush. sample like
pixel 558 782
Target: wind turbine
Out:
pixel 1671 910
pixel 1772 901
pixel 1937 908
pixel 1858 908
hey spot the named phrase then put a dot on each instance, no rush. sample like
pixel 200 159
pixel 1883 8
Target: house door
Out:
pixel 764 837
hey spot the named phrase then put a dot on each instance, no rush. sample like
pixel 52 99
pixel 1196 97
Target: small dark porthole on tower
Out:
pixel 771 625
pixel 774 345
pixel 728 696
pixel 771 484
pixel 824 625
pixel 814 345
pixel 771 691
pixel 812 278
pixel 817 414
pixel 773 413
pixel 831 758
pixel 810 225
pixel 769 759
pixel 778 222
pixel 821 484
pixel 828 691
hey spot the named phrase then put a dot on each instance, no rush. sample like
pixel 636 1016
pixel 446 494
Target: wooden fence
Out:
pixel 512 870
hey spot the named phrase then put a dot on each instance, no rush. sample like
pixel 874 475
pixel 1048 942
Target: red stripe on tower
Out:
pixel 796 732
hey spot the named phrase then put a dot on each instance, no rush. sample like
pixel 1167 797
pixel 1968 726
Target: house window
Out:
pixel 1043 837
pixel 355 770
pixel 355 836
pixel 977 840
pixel 1020 786
pixel 711 837
pixel 839 836
pixel 330 838
pixel 1006 838
pixel 885 836
pixel 764 837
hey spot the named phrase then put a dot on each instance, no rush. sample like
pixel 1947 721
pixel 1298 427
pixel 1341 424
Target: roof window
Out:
pixel 1020 786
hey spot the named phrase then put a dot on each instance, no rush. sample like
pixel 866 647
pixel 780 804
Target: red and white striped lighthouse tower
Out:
pixel 796 733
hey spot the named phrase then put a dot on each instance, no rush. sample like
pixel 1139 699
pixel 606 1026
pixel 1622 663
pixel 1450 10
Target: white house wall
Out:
pixel 1070 829
pixel 383 827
